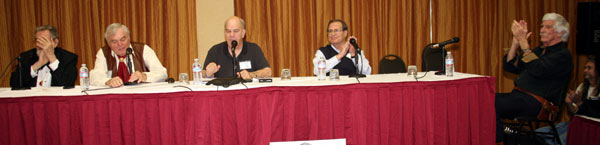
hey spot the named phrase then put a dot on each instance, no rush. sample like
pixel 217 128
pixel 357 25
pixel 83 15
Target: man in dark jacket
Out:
pixel 45 65
pixel 543 71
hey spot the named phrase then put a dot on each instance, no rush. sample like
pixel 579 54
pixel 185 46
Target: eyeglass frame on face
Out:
pixel 329 31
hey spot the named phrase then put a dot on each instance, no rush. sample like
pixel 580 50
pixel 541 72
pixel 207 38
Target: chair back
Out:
pixel 433 58
pixel 391 64
pixel 561 102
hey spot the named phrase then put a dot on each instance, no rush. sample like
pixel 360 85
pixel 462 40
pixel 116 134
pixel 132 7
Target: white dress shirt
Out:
pixel 44 74
pixel 333 61
pixel 590 93
pixel 100 74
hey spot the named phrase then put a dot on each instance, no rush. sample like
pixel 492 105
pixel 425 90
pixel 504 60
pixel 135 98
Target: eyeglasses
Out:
pixel 334 30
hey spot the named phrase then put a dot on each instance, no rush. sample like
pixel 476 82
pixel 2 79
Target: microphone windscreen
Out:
pixel 456 39
pixel 233 44
pixel 352 40
pixel 129 50
pixel 170 80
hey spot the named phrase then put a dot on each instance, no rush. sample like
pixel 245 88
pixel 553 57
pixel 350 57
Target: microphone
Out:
pixel 129 53
pixel 453 40
pixel 170 80
pixel 353 42
pixel 233 44
pixel 358 73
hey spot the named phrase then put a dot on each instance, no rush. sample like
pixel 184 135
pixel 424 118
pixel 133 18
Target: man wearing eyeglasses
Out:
pixel 339 54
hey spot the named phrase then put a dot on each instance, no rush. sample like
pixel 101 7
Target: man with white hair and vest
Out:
pixel 115 66
pixel 543 71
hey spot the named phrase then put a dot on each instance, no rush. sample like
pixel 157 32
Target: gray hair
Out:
pixel 52 29
pixel 241 21
pixel 112 28
pixel 560 24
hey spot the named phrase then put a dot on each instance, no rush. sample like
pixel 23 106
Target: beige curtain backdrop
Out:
pixel 290 32
pixel 169 27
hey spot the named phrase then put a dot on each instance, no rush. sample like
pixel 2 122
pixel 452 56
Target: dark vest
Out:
pixel 138 59
pixel 346 67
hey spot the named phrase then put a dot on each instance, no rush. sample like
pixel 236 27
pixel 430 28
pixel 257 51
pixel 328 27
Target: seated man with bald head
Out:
pixel 113 68
pixel 251 60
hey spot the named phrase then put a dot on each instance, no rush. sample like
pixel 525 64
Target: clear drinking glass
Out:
pixel 286 74
pixel 184 78
pixel 412 71
pixel 334 74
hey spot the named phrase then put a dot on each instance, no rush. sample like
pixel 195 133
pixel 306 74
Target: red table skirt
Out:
pixel 456 112
pixel 583 132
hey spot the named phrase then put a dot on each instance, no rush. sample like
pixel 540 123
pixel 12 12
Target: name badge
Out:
pixel 245 65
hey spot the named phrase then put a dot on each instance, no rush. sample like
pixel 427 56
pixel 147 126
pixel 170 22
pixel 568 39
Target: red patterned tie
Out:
pixel 123 72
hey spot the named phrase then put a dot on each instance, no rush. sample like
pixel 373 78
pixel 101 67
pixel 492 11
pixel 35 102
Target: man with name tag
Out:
pixel 252 61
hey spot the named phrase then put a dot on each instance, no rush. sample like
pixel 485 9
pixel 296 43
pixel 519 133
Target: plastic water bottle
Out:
pixel 322 65
pixel 84 79
pixel 449 65
pixel 197 70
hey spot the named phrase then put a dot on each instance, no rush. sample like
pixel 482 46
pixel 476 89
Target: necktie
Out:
pixel 123 72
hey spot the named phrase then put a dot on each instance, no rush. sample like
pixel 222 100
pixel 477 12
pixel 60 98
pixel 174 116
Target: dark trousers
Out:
pixel 511 105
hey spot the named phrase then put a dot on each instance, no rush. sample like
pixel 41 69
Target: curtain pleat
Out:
pixel 290 32
pixel 169 27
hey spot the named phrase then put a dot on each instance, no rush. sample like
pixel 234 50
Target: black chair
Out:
pixel 432 58
pixel 391 64
pixel 532 122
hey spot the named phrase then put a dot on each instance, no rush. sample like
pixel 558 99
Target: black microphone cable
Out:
pixel 182 86
pixel 417 78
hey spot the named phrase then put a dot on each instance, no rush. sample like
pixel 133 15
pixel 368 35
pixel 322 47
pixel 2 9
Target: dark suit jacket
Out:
pixel 64 75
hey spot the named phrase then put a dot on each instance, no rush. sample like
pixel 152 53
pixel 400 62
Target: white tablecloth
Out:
pixel 164 87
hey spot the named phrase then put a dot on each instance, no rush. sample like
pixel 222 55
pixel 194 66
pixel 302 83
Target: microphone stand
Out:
pixel 357 74
pixel 236 69
pixel 129 68
pixel 234 60
pixel 129 61
pixel 443 71
pixel 226 82
pixel 20 87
